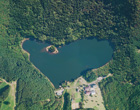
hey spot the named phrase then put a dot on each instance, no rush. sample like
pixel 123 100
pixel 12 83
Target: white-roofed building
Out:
pixel 92 92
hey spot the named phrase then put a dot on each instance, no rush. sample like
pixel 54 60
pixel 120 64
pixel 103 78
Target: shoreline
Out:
pixel 95 69
pixel 24 51
pixel 55 52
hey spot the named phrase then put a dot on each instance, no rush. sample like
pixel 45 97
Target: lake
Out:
pixel 71 60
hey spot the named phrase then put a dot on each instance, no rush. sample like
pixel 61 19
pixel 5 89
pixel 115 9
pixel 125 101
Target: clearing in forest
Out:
pixel 9 103
pixel 90 101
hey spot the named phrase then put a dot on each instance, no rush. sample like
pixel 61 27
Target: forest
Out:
pixel 67 102
pixel 59 22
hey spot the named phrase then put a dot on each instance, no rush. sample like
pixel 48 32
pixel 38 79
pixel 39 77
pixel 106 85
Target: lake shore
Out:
pixel 55 52
pixel 24 51
pixel 70 57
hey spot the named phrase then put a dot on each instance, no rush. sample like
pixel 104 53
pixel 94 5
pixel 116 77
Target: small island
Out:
pixel 52 49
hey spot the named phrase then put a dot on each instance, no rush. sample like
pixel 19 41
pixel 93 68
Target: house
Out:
pixel 87 88
pixel 92 92
pixel 87 92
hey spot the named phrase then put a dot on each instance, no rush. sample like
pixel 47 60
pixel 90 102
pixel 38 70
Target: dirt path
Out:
pixel 99 79
pixel 138 50
pixel 13 91
pixel 83 81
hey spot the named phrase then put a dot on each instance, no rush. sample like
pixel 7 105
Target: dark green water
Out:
pixel 71 60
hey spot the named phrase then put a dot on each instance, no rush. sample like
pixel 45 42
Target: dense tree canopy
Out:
pixel 52 48
pixel 67 102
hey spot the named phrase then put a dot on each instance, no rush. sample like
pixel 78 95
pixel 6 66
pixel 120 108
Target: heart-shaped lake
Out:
pixel 71 60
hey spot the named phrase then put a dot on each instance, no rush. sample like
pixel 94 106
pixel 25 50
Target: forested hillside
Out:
pixel 63 21
pixel 34 91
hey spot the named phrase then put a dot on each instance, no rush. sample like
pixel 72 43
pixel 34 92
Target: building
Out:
pixel 87 92
pixel 87 88
pixel 92 92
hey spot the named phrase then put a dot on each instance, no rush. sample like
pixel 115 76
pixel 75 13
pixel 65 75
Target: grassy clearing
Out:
pixel 77 97
pixel 95 108
pixel 76 94
pixel 11 97
pixel 2 84
pixel 95 101
pixel 78 100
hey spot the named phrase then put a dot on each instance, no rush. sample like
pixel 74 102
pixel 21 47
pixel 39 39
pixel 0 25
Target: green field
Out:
pixel 9 102
pixel 77 98
pixel 95 108
pixel 2 84
pixel 10 106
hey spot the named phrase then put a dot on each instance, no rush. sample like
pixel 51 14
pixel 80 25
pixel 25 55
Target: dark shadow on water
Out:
pixel 68 43
pixel 37 40
pixel 110 43
pixel 85 71
pixel 81 74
